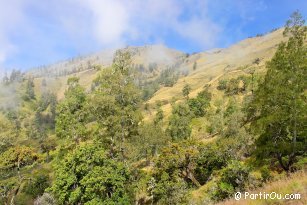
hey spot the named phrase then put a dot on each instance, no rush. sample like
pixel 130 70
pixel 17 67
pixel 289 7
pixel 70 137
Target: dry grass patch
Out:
pixel 296 183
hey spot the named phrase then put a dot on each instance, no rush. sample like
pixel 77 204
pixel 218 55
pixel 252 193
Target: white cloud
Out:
pixel 115 23
pixel 10 16
pixel 109 20
pixel 105 23
pixel 200 31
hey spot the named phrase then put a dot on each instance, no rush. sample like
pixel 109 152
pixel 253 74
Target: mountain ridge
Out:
pixel 210 64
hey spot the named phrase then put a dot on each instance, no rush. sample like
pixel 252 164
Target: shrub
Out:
pixel 37 186
pixel 200 104
pixel 234 178
pixel 232 87
pixel 222 85
pixel 21 199
pixel 265 174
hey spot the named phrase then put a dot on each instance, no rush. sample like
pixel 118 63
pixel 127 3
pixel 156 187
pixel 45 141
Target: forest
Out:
pixel 94 146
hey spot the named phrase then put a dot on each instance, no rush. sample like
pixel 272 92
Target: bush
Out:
pixel 170 190
pixel 222 85
pixel 265 174
pixel 22 199
pixel 37 186
pixel 232 87
pixel 234 178
pixel 179 122
pixel 199 105
pixel 211 158
pixel 174 172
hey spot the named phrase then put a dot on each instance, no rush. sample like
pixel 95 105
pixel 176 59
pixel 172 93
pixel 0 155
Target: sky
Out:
pixel 36 32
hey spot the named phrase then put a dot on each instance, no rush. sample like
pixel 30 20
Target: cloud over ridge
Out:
pixel 104 23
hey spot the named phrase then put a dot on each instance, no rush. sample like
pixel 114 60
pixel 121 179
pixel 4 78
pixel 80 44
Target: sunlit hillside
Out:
pixel 153 125
pixel 211 66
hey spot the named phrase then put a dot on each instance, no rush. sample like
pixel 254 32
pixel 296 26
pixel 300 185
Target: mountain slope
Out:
pixel 211 65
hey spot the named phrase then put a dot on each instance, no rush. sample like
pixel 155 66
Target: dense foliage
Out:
pixel 279 105
pixel 88 176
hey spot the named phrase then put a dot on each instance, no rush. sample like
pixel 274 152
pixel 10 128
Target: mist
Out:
pixel 9 96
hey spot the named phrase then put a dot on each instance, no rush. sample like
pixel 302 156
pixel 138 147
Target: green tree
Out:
pixel 13 160
pixel 186 91
pixel 152 137
pixel 279 105
pixel 7 188
pixel 200 104
pixel 29 94
pixel 168 77
pixel 71 115
pixel 174 171
pixel 159 116
pixel 18 157
pixel 47 145
pixel 115 104
pixel 88 176
pixel 233 119
pixel 7 134
pixel 46 110
pixel 212 157
pixel 179 122
pixel 150 140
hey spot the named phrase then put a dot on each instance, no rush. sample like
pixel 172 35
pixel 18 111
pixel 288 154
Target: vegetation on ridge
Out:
pixel 94 146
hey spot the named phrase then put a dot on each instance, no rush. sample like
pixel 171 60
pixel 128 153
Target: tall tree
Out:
pixel 71 116
pixel 179 122
pixel 279 105
pixel 115 103
pixel 30 89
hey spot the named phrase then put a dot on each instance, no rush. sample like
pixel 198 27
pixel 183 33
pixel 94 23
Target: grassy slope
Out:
pixel 296 183
pixel 58 85
pixel 211 66
pixel 214 65
pixel 144 55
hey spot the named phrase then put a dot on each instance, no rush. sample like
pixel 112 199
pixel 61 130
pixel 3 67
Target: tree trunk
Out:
pixel 279 158
pixel 193 179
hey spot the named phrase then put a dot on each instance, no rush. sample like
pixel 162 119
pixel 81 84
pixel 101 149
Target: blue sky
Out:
pixel 35 32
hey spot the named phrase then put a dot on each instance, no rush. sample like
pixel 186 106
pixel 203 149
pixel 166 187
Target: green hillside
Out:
pixel 152 125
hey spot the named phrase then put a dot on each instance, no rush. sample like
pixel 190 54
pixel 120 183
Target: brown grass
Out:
pixel 296 183
pixel 211 66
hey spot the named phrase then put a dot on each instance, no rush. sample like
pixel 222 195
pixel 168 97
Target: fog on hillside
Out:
pixel 152 102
